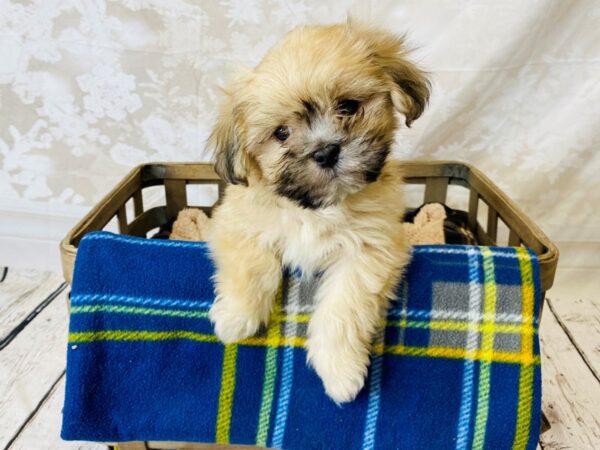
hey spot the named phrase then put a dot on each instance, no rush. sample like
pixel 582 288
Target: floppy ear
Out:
pixel 230 161
pixel 410 86
pixel 411 91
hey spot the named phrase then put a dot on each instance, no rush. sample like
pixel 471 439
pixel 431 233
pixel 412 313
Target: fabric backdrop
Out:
pixel 90 88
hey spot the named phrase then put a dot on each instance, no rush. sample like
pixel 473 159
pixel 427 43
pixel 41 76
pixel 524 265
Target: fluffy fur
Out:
pixel 328 87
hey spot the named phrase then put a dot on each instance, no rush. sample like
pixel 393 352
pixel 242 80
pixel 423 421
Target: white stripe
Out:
pixel 287 374
pixel 298 308
pixel 464 316
pixel 79 299
pixel 373 402
pixel 104 235
pixel 293 295
pixel 464 417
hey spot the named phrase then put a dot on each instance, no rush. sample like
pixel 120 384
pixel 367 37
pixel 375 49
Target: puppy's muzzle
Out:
pixel 327 156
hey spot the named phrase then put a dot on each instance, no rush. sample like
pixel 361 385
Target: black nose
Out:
pixel 327 156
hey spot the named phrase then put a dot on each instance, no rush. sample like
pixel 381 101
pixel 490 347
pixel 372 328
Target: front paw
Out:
pixel 342 369
pixel 231 323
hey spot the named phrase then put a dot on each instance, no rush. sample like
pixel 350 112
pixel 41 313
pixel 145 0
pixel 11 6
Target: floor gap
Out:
pixel 32 315
pixel 35 410
pixel 572 340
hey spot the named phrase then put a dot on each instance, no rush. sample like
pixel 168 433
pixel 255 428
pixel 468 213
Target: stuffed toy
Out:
pixel 191 225
pixel 427 226
pixel 436 223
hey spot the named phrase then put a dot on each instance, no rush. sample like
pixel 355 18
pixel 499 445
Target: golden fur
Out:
pixel 328 87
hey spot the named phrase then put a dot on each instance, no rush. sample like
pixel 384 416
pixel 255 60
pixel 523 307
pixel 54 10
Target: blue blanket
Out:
pixel 457 365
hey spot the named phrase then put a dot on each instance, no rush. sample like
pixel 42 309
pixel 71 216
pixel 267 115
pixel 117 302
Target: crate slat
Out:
pixel 513 217
pixel 122 218
pixel 492 224
pixel 176 196
pixel 513 239
pixel 436 189
pixel 105 210
pixel 138 203
pixel 473 207
pixel 436 175
pixel 153 218
pixel 200 173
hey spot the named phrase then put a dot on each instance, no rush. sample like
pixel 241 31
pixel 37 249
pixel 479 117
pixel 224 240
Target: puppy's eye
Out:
pixel 347 107
pixel 282 133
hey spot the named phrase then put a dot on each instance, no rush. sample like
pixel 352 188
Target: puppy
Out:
pixel 304 140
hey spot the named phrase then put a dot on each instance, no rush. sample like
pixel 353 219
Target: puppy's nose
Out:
pixel 327 156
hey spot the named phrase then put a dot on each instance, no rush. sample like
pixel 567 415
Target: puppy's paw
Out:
pixel 342 370
pixel 231 323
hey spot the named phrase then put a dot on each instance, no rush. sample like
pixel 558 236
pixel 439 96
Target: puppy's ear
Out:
pixel 411 91
pixel 224 142
pixel 410 88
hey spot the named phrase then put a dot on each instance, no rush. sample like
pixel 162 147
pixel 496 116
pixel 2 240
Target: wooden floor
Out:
pixel 33 325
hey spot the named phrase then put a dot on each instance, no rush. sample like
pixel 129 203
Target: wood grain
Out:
pixel 571 393
pixel 20 293
pixel 43 430
pixel 29 367
pixel 581 321
pixel 132 446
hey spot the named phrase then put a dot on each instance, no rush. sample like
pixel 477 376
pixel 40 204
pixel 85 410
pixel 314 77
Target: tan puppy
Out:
pixel 304 138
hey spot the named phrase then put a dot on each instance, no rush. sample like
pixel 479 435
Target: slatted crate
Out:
pixel 435 178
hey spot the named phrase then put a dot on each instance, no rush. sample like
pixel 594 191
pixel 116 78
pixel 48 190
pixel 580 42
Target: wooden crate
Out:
pixel 434 177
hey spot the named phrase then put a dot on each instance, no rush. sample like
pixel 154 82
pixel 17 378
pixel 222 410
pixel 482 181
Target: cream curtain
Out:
pixel 90 88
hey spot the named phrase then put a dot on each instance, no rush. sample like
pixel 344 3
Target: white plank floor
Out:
pixel 33 325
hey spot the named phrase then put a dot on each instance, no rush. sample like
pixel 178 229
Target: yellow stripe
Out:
pixel 526 374
pixel 435 352
pixel 127 335
pixel 452 325
pixel 300 318
pixel 487 349
pixel 280 341
pixel 444 325
pixel 455 353
pixel 489 303
pixel 226 394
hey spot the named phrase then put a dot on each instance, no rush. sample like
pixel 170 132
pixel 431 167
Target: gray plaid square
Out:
pixel 450 338
pixel 291 329
pixel 299 294
pixel 508 308
pixel 507 342
pixel 453 297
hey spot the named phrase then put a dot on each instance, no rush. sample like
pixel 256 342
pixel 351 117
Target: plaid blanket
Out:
pixel 456 365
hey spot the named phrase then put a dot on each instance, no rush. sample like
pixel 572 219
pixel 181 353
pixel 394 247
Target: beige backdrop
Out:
pixel 90 88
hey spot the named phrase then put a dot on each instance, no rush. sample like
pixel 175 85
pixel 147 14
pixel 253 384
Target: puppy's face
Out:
pixel 315 120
